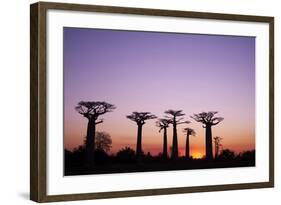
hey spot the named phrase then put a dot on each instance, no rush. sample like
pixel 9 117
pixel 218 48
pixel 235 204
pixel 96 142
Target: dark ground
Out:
pixel 167 166
pixel 105 164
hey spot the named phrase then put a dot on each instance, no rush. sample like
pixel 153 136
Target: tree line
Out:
pixel 92 110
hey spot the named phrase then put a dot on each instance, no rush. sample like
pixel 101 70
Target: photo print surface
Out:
pixel 137 101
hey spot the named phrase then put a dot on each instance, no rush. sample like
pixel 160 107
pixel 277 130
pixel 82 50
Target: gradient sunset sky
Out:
pixel 151 71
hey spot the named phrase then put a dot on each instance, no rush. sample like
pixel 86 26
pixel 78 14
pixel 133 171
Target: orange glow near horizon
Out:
pixel 197 155
pixel 123 133
pixel 152 139
pixel 236 135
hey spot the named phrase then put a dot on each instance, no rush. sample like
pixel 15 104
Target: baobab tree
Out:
pixel 163 124
pixel 208 120
pixel 218 145
pixel 140 118
pixel 188 131
pixel 173 116
pixel 92 110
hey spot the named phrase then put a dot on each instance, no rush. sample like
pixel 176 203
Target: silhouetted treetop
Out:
pixel 126 155
pixel 103 141
pixel 217 140
pixel 207 118
pixel 174 114
pixel 90 109
pixel 227 154
pixel 189 131
pixel 163 123
pixel 140 117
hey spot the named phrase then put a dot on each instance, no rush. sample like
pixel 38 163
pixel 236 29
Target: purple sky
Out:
pixel 150 71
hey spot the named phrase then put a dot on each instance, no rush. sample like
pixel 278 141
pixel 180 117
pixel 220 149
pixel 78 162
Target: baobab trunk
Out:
pixel 209 144
pixel 187 155
pixel 175 142
pixel 165 144
pixel 139 147
pixel 90 143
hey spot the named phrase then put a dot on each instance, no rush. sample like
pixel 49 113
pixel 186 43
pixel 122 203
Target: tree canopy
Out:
pixel 173 114
pixel 207 118
pixel 163 123
pixel 189 131
pixel 140 117
pixel 93 109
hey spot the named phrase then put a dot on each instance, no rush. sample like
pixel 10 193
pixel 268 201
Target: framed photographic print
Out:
pixel 134 102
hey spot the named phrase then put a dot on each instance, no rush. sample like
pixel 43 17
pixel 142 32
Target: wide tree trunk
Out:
pixel 209 146
pixel 90 143
pixel 165 144
pixel 175 142
pixel 139 143
pixel 187 154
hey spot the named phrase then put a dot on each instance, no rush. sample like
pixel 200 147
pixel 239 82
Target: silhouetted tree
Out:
pixel 103 141
pixel 126 155
pixel 188 131
pixel 79 149
pixel 247 155
pixel 174 114
pixel 92 110
pixel 218 145
pixel 163 124
pixel 148 157
pixel 226 155
pixel 208 120
pixel 140 118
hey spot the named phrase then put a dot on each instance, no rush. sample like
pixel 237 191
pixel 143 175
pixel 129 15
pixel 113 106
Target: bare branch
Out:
pixel 217 120
pixel 185 122
pixel 101 121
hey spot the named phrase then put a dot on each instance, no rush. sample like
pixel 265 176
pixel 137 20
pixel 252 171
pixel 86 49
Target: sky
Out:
pixel 154 72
